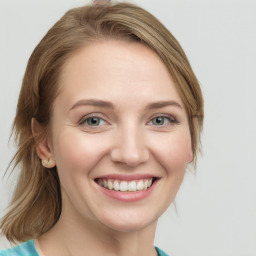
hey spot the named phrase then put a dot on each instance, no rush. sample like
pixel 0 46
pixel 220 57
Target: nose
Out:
pixel 129 148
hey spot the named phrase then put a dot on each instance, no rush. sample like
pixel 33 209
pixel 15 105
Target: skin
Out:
pixel 127 140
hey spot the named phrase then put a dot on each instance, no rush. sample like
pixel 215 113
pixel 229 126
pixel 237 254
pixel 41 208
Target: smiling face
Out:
pixel 118 125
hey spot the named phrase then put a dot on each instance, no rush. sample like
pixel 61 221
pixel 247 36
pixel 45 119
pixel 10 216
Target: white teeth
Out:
pixel 140 185
pixel 132 186
pixel 116 185
pixel 124 186
pixel 110 185
pixel 146 185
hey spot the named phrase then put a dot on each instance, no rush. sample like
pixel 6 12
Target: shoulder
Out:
pixel 160 252
pixel 24 249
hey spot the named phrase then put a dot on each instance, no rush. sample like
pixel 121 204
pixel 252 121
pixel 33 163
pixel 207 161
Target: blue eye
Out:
pixel 92 121
pixel 160 120
pixel 163 120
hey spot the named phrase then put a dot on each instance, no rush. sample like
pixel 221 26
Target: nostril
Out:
pixel 130 157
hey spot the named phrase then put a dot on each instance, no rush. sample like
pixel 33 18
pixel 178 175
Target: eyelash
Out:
pixel 171 120
pixel 84 120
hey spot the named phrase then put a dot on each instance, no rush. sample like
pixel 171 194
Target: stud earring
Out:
pixel 48 163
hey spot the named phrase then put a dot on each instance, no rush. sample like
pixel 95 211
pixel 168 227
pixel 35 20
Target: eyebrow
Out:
pixel 162 104
pixel 92 102
pixel 107 104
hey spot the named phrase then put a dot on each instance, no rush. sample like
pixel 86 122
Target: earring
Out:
pixel 48 163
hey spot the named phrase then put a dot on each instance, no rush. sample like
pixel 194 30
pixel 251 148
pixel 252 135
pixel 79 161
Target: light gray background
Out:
pixel 216 209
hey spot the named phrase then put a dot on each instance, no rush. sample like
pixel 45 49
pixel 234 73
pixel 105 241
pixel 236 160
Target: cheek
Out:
pixel 174 150
pixel 77 152
pixel 181 147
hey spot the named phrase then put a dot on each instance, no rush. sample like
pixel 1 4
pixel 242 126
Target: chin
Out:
pixel 129 222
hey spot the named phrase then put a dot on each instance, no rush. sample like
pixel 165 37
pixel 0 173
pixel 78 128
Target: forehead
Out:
pixel 112 69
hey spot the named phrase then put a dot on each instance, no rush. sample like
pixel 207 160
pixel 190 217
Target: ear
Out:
pixel 43 147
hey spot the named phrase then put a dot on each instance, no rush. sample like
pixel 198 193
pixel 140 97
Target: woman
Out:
pixel 109 116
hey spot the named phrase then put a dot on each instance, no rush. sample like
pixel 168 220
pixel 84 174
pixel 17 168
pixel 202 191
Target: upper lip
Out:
pixel 127 177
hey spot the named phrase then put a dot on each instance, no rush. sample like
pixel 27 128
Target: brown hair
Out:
pixel 36 203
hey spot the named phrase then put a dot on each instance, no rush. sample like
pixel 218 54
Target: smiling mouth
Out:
pixel 126 186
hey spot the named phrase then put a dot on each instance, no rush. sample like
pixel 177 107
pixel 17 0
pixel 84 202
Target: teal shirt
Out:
pixel 24 249
pixel 29 249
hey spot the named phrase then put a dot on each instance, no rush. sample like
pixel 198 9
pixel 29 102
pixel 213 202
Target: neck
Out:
pixel 69 237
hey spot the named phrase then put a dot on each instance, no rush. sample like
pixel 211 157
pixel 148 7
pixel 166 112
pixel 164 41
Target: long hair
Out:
pixel 36 203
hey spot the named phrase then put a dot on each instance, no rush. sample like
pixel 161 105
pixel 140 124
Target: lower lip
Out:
pixel 128 196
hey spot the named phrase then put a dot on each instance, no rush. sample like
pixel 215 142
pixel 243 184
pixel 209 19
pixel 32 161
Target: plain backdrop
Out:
pixel 216 208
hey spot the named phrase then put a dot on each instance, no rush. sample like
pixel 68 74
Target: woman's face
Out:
pixel 118 124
